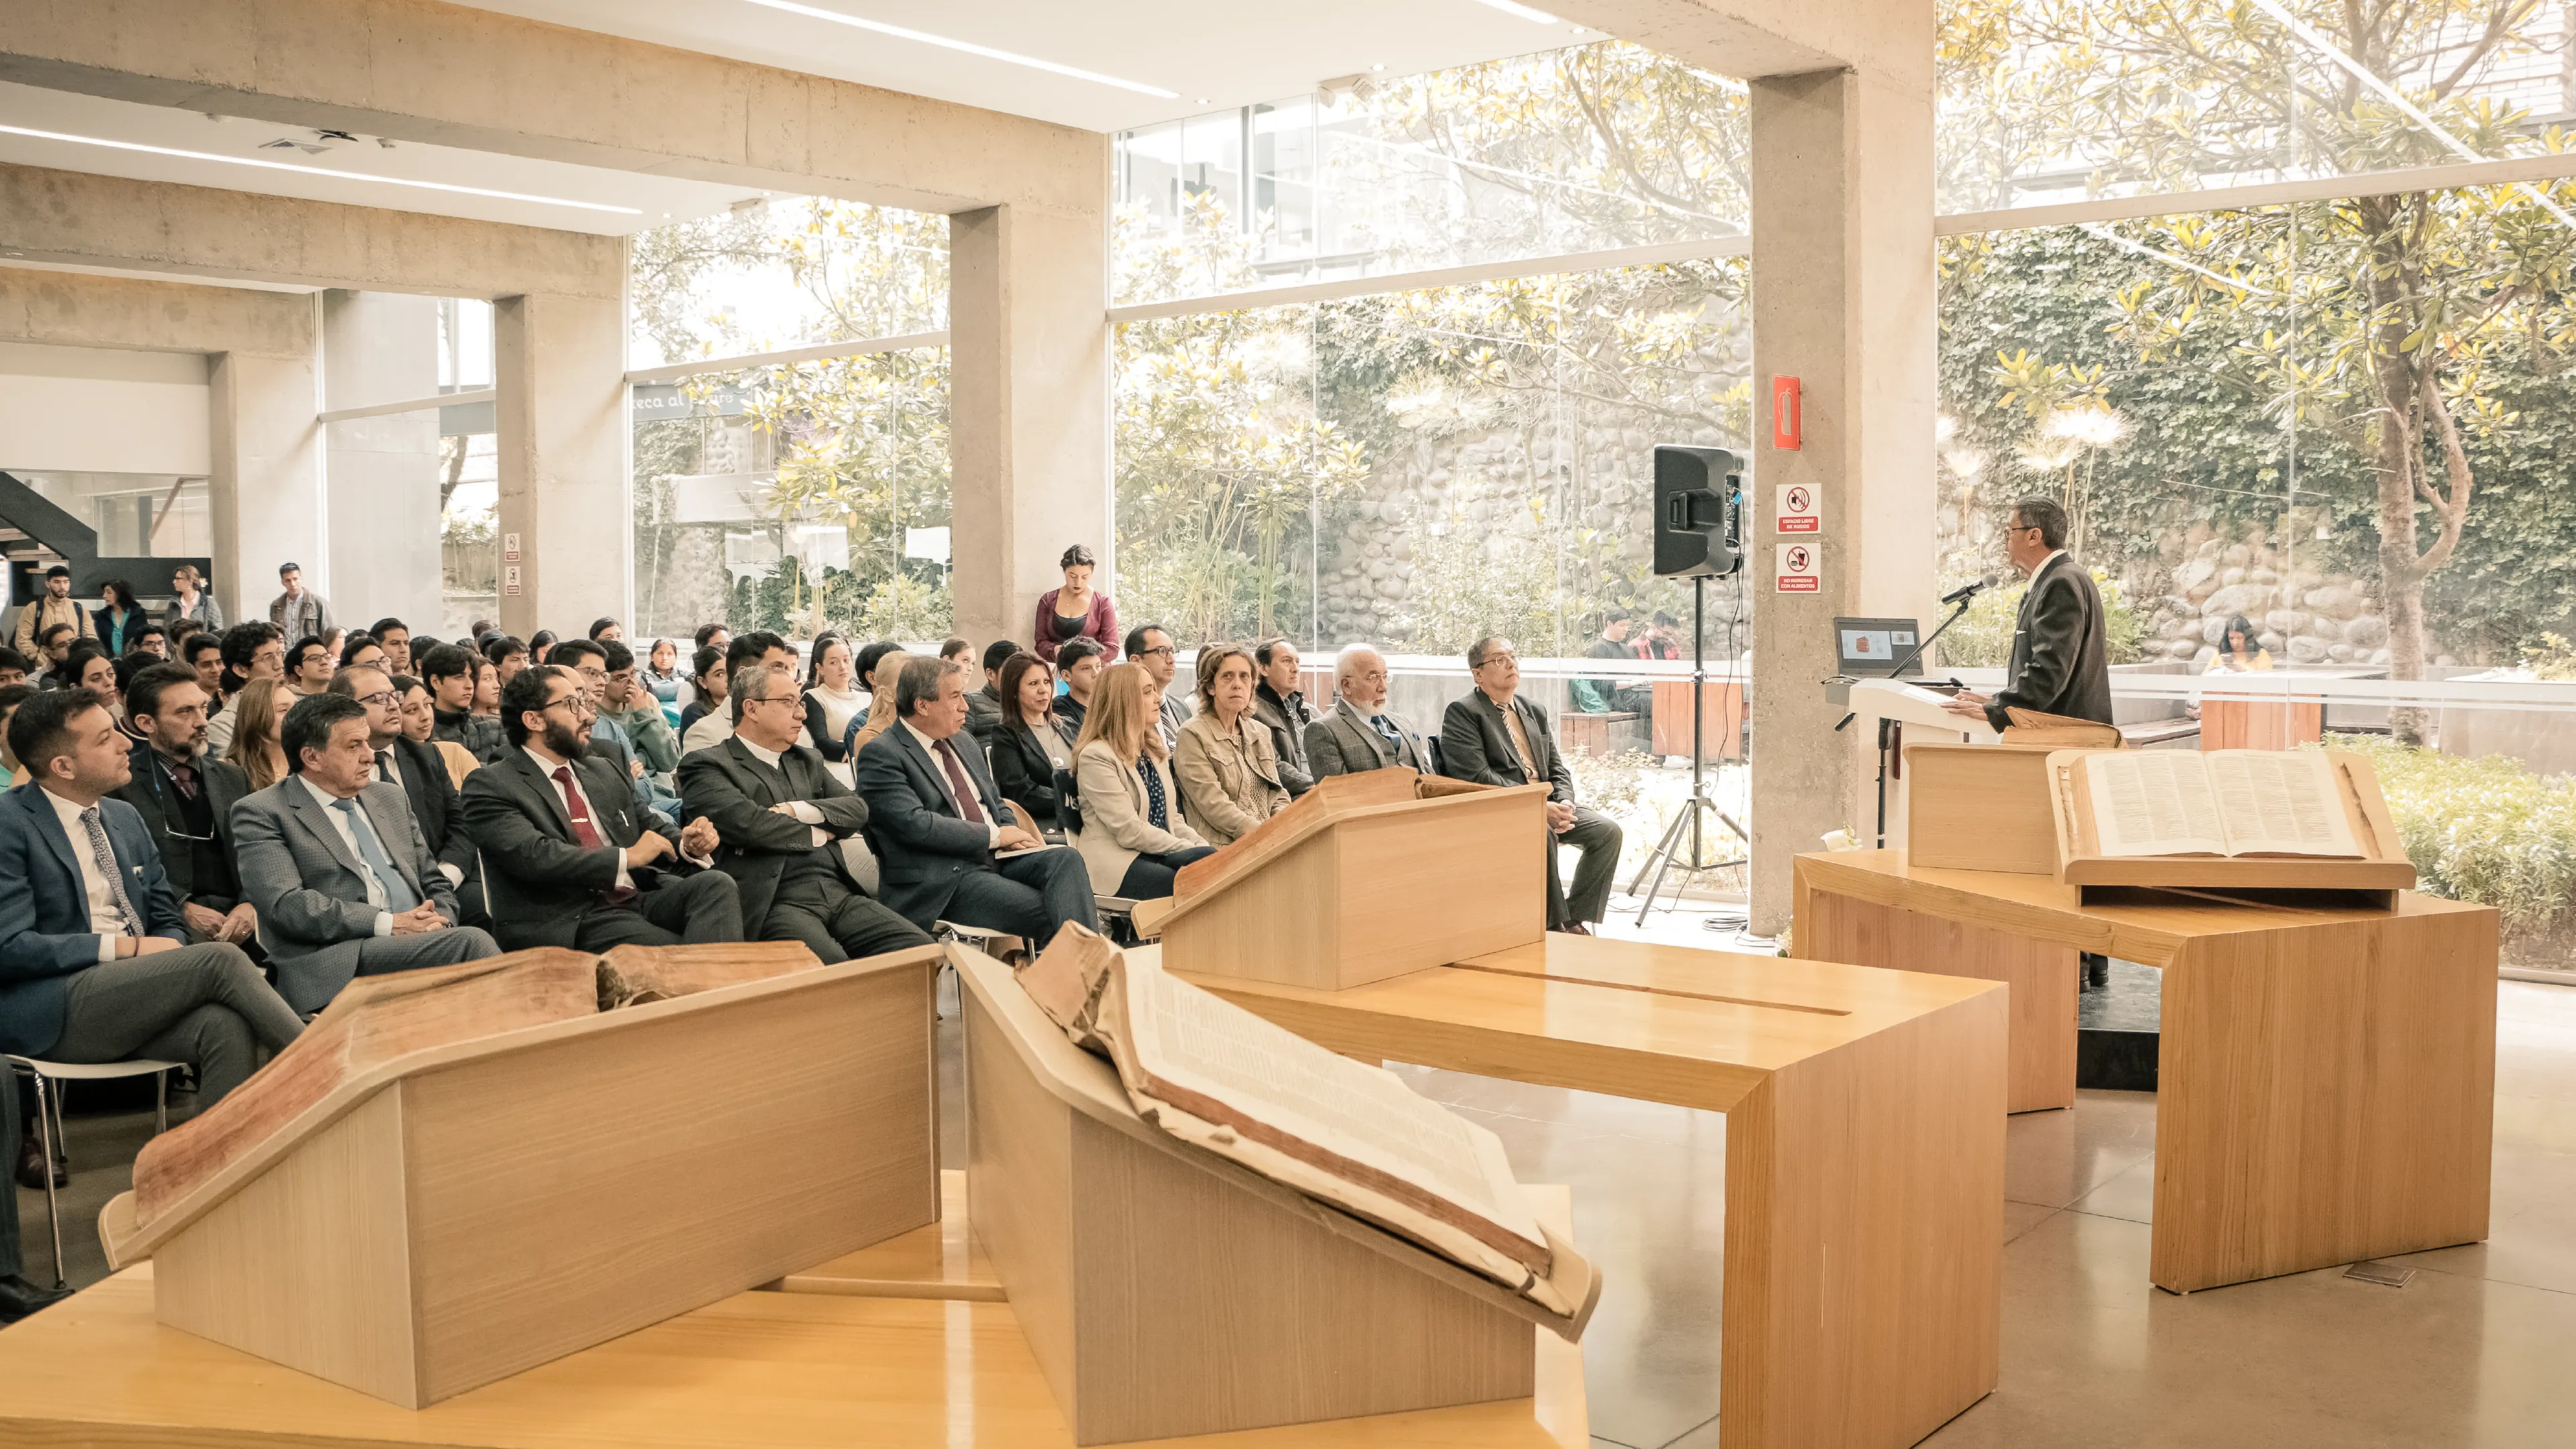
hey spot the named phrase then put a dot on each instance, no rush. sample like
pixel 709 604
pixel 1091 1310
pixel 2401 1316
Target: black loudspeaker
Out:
pixel 1699 511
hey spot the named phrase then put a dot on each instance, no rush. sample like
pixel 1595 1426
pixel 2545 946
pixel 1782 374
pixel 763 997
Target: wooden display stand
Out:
pixel 2327 1078
pixel 1364 877
pixel 1980 807
pixel 1165 1291
pixel 2375 879
pixel 1864 1148
pixel 455 1175
pixel 898 1362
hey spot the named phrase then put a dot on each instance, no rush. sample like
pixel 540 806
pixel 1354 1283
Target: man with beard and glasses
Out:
pixel 186 800
pixel 568 857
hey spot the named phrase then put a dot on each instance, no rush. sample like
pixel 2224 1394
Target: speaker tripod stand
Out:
pixel 1699 814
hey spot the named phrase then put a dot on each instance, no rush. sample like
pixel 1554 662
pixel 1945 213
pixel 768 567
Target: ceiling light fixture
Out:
pixel 899 32
pixel 1512 7
pixel 318 171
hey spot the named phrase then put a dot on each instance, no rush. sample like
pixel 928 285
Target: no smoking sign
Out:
pixel 1801 569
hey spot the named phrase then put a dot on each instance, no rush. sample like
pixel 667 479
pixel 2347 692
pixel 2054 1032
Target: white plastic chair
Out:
pixel 49 1116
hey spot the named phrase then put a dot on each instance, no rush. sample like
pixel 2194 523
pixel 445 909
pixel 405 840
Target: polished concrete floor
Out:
pixel 2472 1350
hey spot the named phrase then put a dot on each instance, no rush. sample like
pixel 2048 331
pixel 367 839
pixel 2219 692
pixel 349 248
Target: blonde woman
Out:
pixel 1226 763
pixel 262 704
pixel 1133 839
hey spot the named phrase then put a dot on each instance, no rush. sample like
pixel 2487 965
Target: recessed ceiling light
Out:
pixel 1203 100
pixel 320 171
pixel 1381 65
pixel 1512 7
pixel 969 47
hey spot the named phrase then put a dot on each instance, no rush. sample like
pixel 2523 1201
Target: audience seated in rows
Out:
pixel 420 726
pixel 250 651
pixel 707 681
pixel 1225 760
pixel 627 704
pixel 257 717
pixel 884 664
pixel 399 760
pixel 1359 732
pixel 452 676
pixel 784 823
pixel 759 647
pixel 1134 838
pixel 943 847
pixel 833 701
pixel 344 883
pixel 568 859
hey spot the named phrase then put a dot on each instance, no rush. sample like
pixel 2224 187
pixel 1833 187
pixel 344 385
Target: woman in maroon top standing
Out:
pixel 1076 611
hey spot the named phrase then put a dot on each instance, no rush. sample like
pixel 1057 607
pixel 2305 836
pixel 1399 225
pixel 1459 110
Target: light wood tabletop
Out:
pixel 2326 1071
pixel 763 1370
pixel 943 1260
pixel 1864 1142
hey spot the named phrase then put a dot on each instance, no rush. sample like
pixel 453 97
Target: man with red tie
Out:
pixel 950 851
pixel 566 856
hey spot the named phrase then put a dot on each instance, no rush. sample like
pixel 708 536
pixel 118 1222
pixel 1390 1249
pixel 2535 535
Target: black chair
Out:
pixel 1117 913
pixel 1431 752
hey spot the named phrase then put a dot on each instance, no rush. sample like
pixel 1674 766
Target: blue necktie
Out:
pixel 1386 728
pixel 398 893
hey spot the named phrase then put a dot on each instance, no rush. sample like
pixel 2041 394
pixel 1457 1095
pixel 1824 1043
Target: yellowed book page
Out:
pixel 2153 802
pixel 1189 1043
pixel 2281 802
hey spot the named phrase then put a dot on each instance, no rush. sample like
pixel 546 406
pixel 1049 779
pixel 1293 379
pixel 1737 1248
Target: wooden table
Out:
pixel 2327 1072
pixel 824 1368
pixel 1864 1147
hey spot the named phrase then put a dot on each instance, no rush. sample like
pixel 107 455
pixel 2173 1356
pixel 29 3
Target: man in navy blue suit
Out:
pixel 937 822
pixel 95 960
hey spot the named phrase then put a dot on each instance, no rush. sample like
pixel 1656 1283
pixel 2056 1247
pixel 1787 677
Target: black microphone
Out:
pixel 1965 592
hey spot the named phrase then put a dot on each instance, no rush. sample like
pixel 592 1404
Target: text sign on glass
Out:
pixel 1801 510
pixel 1801 569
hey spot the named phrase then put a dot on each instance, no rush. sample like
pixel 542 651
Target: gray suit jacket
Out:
pixel 308 886
pixel 1342 743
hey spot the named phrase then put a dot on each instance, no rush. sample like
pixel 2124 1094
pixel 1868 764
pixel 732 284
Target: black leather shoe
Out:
pixel 31 1166
pixel 18 1298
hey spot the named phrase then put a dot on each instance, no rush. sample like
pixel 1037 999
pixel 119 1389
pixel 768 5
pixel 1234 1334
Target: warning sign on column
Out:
pixel 1800 568
pixel 510 580
pixel 1800 510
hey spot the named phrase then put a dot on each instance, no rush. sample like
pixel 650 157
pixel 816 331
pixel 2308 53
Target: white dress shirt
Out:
pixel 340 822
pixel 803 810
pixel 104 917
pixel 576 801
pixel 992 827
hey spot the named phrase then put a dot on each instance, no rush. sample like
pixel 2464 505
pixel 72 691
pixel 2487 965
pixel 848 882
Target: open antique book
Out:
pixel 1340 1131
pixel 2227 802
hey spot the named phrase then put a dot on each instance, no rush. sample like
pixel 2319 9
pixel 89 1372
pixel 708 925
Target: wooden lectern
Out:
pixel 1364 877
pixel 1166 1291
pixel 460 1173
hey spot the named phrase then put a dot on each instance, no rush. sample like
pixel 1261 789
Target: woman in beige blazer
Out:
pixel 1227 765
pixel 1133 839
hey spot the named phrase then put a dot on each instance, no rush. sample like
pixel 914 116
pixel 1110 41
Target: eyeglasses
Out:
pixel 577 703
pixel 381 699
pixel 1166 649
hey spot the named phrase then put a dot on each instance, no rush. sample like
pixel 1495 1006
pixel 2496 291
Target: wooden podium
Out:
pixel 457 1174
pixel 1165 1291
pixel 1364 877
pixel 2327 1082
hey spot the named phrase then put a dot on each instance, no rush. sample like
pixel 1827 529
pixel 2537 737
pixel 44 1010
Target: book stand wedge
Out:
pixel 1165 1291
pixel 460 1173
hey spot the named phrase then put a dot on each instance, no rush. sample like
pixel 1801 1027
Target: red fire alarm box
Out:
pixel 1786 426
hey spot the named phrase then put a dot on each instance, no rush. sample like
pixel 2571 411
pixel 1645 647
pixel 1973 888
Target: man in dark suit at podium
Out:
pixel 2061 660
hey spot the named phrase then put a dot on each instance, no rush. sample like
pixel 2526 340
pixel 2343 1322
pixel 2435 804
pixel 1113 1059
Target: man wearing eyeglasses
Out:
pixel 568 858
pixel 2061 660
pixel 186 799
pixel 1359 733
pixel 1151 645
pixel 406 762
pixel 344 884
pixel 589 663
pixel 1496 737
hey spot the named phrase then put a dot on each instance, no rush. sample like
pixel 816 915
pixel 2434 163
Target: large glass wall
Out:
pixel 1581 149
pixel 789 272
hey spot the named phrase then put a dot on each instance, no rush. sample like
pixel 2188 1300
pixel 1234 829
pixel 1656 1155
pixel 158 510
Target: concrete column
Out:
pixel 1843 300
pixel 559 368
pixel 382 472
pixel 1028 406
pixel 265 489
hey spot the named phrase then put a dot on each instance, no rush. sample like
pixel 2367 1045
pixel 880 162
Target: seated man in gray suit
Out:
pixel 95 959
pixel 336 867
pixel 779 818
pixel 1359 732
pixel 1495 737
pixel 937 823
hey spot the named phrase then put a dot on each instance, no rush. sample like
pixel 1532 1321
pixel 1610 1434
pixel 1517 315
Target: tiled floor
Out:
pixel 2472 1351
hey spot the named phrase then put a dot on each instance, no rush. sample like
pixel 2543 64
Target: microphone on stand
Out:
pixel 1965 592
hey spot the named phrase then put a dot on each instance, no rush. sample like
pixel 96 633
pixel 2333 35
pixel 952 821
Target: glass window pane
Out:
pixel 788 273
